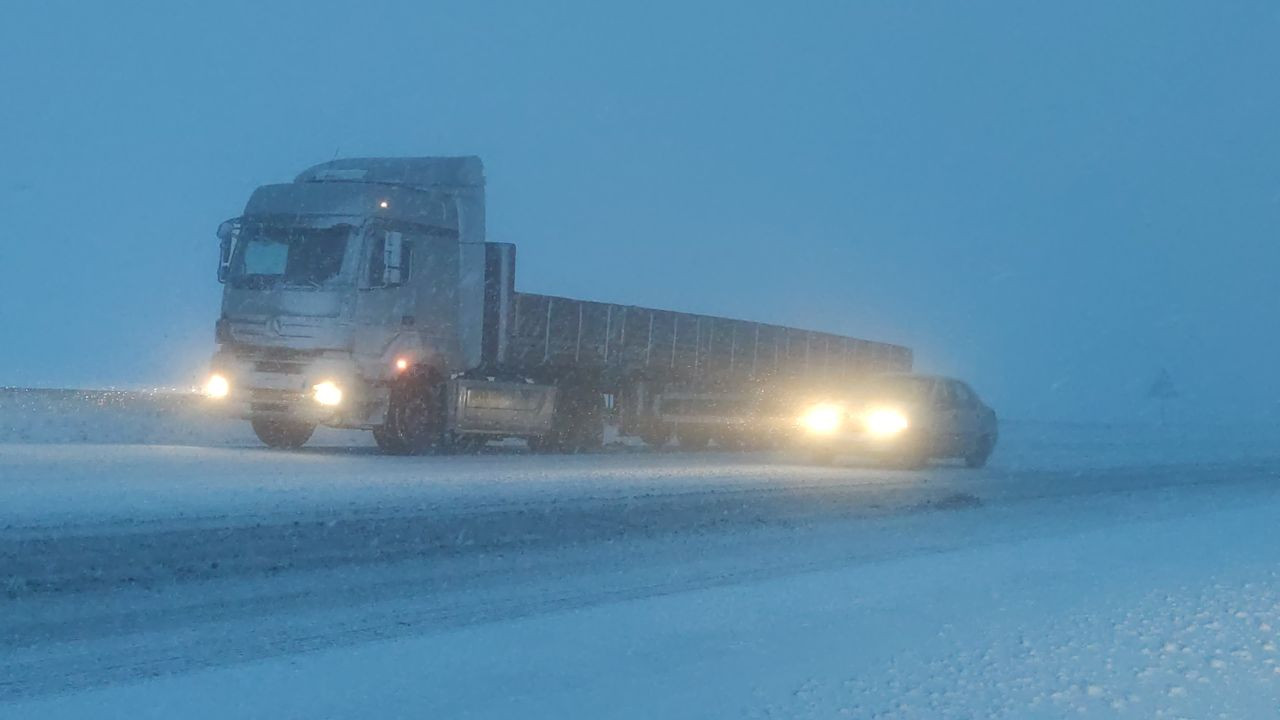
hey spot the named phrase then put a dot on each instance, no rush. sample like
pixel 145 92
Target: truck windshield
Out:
pixel 269 255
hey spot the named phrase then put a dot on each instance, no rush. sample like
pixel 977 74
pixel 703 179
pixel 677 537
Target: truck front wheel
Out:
pixel 282 433
pixel 414 418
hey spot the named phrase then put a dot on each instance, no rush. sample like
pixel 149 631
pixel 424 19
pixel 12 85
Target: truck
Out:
pixel 366 295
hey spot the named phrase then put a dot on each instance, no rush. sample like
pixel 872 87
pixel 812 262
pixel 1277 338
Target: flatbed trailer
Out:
pixel 697 377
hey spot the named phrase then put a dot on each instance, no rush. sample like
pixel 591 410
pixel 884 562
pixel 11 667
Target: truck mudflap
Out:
pixel 478 406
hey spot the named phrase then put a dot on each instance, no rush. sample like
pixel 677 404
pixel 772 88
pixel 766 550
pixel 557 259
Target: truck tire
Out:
pixel 577 425
pixel 757 441
pixel 980 452
pixel 388 442
pixel 415 417
pixel 692 438
pixel 656 435
pixel 577 435
pixel 590 434
pixel 731 440
pixel 468 444
pixel 281 434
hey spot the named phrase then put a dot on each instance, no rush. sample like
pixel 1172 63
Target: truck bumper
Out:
pixel 284 389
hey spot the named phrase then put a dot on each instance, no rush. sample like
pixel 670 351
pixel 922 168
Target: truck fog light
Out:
pixel 327 393
pixel 217 387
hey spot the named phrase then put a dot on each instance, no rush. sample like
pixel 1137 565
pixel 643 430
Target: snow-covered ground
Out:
pixel 155 564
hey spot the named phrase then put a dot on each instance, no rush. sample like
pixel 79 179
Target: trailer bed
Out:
pixel 629 341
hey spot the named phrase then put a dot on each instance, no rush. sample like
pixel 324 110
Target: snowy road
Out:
pixel 141 579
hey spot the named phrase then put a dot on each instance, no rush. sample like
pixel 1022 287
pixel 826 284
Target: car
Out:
pixel 906 419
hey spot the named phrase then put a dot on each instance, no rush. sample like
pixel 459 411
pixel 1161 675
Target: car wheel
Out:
pixel 980 452
pixel 910 456
pixel 825 456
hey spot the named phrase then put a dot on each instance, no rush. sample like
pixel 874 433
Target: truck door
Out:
pixel 386 300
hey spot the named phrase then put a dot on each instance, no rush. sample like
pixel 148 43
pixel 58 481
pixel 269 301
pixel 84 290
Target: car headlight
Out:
pixel 885 422
pixel 822 419
pixel 217 386
pixel 327 393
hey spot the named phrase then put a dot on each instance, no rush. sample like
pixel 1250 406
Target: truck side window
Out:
pixel 377 261
pixel 406 261
pixel 378 264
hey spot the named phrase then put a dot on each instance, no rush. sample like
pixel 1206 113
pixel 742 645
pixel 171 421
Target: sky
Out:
pixel 1055 201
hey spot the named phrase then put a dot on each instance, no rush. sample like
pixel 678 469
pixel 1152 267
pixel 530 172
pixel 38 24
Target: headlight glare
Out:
pixel 886 421
pixel 822 419
pixel 327 393
pixel 217 386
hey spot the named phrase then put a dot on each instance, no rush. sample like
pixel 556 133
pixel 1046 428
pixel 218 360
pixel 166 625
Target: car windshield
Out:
pixel 267 255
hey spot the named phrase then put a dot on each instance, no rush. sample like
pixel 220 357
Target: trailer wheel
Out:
pixel 731 440
pixel 656 435
pixel 470 444
pixel 582 434
pixel 692 438
pixel 547 444
pixel 577 425
pixel 280 434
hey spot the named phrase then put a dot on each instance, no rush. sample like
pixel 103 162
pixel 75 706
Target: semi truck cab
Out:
pixel 352 279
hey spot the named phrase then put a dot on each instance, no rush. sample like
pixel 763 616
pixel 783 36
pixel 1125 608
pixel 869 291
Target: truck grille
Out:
pixel 260 407
pixel 273 401
pixel 283 367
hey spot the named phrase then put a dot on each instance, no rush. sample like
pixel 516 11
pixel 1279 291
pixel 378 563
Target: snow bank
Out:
pixel 148 417
pixel 1049 617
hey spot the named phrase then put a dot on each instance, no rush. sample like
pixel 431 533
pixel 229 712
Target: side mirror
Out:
pixel 228 234
pixel 392 253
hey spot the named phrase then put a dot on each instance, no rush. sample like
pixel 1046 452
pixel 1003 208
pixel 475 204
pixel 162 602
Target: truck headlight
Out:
pixel 822 419
pixel 885 422
pixel 327 393
pixel 217 387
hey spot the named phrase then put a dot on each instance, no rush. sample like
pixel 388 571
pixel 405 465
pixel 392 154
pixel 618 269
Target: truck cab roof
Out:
pixel 422 173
